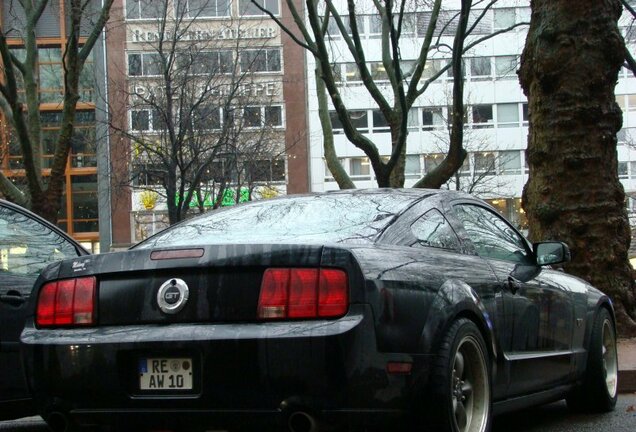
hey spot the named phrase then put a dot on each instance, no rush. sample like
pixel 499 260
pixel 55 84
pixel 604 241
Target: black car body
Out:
pixel 363 309
pixel 27 244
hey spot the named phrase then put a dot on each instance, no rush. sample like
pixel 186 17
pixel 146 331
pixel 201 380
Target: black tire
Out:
pixel 598 391
pixel 458 396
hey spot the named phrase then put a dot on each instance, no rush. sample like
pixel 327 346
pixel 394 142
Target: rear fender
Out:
pixel 456 299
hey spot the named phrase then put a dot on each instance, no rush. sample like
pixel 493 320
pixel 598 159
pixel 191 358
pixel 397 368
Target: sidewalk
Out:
pixel 627 365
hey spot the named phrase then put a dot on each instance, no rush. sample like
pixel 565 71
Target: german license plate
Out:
pixel 160 373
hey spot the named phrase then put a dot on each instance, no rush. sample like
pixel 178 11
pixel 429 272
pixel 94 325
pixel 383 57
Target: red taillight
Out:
pixel 303 293
pixel 69 302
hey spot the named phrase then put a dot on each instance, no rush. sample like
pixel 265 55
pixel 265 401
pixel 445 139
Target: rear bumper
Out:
pixel 331 369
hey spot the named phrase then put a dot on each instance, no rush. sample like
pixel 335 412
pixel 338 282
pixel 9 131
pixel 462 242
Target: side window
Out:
pixel 26 247
pixel 433 230
pixel 492 236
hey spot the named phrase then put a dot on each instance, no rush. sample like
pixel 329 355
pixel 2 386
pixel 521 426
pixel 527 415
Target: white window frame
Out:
pixel 127 18
pixel 266 51
pixel 187 10
pixel 260 15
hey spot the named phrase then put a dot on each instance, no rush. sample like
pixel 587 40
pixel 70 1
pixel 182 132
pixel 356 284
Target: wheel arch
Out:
pixel 456 300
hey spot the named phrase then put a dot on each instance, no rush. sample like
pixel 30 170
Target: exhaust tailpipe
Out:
pixel 300 421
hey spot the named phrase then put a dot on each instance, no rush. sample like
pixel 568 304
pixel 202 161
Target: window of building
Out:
pixel 265 170
pixel 623 170
pixel 85 208
pixel 328 174
pixel 359 120
pixel 432 118
pixel 333 31
pixel 83 143
pixel 631 102
pixel 144 64
pixel 147 174
pixel 247 7
pixel 265 60
pixel 375 25
pixel 449 119
pixel 252 116
pixel 206 117
pixel 336 124
pixel 379 122
pixel 409 23
pixel 485 162
pixel 451 74
pixel 620 100
pixel 273 115
pixel 145 9
pixel 378 72
pixel 205 8
pixel 482 116
pixel 484 26
pixel 510 162
pixel 146 120
pixel 258 116
pixel 352 72
pixel 524 111
pixel 480 67
pixel 504 18
pixel 507 115
pixel 464 170
pixel 359 167
pixel 51 74
pixel 211 62
pixel 432 68
pixel 506 66
pixel 432 161
pixel 412 166
pixel 413 118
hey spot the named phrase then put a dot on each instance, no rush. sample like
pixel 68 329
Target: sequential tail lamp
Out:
pixel 303 293
pixel 68 302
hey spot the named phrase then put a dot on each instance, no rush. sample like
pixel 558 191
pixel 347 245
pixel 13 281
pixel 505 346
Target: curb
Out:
pixel 627 381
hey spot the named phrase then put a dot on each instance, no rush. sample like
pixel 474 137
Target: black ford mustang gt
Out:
pixel 350 309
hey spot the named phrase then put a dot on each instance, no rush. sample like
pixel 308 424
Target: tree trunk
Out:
pixel 569 68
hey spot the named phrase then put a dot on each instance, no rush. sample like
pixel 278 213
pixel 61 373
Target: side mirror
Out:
pixel 551 253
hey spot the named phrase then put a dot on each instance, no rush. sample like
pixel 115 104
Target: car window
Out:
pixel 433 230
pixel 492 236
pixel 26 247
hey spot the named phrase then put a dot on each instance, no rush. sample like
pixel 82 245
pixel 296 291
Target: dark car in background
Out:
pixel 353 309
pixel 28 243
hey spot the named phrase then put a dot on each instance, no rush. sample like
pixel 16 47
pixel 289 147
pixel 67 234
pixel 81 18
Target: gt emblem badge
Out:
pixel 172 296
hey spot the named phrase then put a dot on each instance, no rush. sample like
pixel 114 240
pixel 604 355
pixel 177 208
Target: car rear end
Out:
pixel 220 337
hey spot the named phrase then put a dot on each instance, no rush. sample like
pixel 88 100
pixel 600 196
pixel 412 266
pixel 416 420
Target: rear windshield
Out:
pixel 357 218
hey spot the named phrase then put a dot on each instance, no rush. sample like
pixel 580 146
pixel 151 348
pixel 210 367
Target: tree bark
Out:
pixel 569 69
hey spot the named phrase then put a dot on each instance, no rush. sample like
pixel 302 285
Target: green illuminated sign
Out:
pixel 229 198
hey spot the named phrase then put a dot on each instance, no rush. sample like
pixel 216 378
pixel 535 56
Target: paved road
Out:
pixel 556 418
pixel 549 418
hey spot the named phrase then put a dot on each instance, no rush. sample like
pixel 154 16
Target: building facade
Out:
pixel 495 134
pixel 236 89
pixel 82 212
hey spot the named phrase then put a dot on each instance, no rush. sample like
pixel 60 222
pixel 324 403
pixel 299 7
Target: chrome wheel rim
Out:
pixel 470 389
pixel 610 358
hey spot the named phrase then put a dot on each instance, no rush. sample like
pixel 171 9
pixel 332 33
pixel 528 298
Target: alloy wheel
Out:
pixel 470 389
